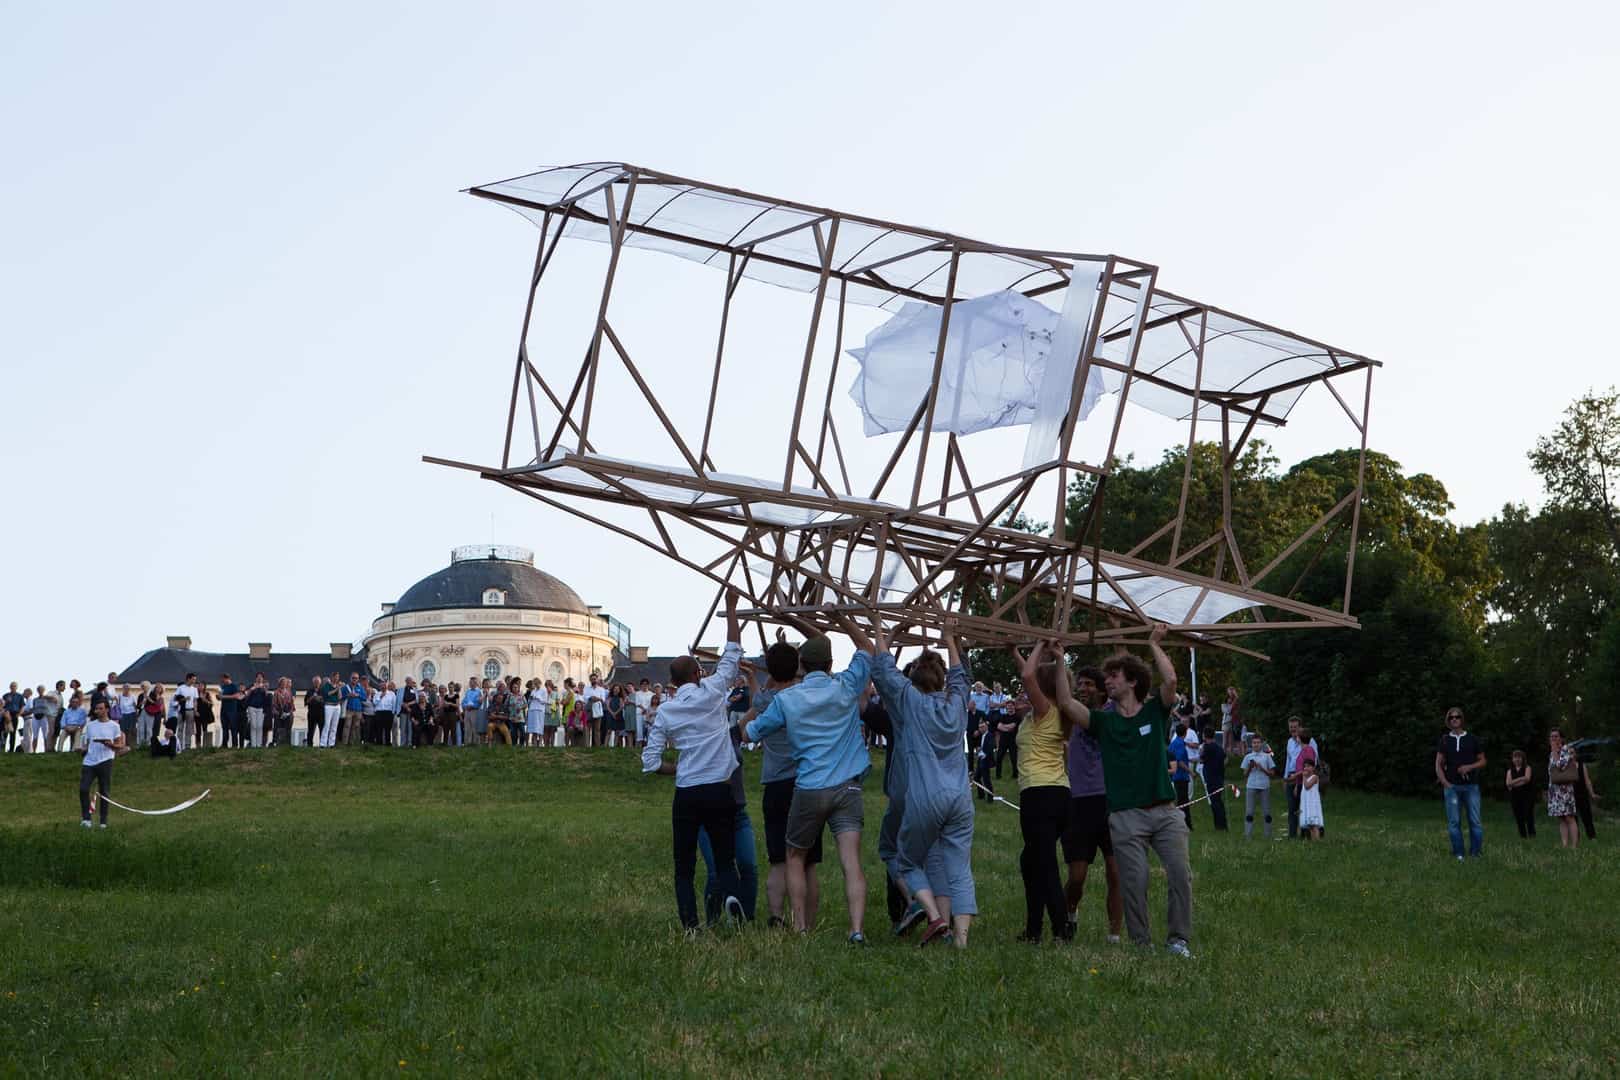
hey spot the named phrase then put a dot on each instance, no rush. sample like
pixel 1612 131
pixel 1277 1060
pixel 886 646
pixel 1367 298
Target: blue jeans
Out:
pixel 747 869
pixel 1458 798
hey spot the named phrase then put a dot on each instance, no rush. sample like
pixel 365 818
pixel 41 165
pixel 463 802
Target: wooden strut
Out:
pixel 956 553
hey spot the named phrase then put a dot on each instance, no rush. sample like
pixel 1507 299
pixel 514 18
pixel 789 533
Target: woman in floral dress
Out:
pixel 1561 797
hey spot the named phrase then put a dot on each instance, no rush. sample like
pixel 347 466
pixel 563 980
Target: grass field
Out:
pixel 361 912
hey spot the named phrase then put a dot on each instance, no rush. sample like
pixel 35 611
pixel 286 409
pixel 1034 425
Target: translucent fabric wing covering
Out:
pixel 997 349
pixel 974 336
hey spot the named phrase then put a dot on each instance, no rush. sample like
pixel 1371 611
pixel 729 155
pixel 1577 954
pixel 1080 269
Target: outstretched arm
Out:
pixel 1028 668
pixel 1069 709
pixel 1167 670
pixel 652 755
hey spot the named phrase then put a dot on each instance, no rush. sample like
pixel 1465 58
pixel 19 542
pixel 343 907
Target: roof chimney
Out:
pixel 258 650
pixel 638 654
pixel 179 641
pixel 387 609
pixel 341 650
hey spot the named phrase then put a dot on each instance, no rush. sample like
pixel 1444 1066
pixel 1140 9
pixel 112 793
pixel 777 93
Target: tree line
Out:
pixel 1514 618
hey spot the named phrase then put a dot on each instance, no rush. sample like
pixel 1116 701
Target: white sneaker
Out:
pixel 85 824
pixel 734 909
pixel 1113 939
pixel 1179 948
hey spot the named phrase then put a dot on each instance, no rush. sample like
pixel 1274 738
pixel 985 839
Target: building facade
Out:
pixel 491 614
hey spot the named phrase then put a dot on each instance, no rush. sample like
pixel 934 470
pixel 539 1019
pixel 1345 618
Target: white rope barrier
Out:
pixel 188 804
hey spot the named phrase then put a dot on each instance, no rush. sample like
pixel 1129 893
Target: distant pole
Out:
pixel 1194 651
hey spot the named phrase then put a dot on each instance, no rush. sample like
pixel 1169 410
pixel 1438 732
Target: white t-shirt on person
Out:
pixel 190 694
pixel 100 729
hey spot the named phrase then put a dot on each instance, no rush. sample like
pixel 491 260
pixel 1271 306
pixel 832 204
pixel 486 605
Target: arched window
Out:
pixel 556 673
pixel 492 668
pixel 430 671
pixel 382 672
pixel 494 598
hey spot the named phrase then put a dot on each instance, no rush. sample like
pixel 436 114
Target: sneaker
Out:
pixel 1179 948
pixel 858 938
pixel 1113 939
pixel 103 825
pixel 1459 858
pixel 913 913
pixel 776 922
pixel 85 824
pixel 938 930
pixel 1028 939
pixel 734 909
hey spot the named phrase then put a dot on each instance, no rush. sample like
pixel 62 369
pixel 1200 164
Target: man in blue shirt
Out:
pixel 230 711
pixel 1181 771
pixel 354 708
pixel 822 720
pixel 472 699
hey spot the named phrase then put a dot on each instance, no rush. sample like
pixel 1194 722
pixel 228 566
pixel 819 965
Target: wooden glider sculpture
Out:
pixel 979 336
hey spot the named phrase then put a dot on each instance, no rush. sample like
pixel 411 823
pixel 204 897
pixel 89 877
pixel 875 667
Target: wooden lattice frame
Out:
pixel 958 560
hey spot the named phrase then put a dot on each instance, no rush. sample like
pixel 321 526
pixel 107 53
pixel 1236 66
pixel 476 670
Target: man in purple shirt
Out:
pixel 1087 830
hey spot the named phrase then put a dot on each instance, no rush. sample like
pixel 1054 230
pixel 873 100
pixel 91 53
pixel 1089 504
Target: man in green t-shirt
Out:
pixel 1141 804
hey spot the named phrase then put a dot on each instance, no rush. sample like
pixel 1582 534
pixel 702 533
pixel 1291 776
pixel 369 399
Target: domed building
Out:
pixel 492 613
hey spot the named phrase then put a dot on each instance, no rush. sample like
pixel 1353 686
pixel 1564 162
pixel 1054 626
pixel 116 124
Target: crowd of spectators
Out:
pixel 332 710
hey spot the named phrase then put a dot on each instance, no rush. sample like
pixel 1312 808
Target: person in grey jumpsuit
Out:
pixel 935 840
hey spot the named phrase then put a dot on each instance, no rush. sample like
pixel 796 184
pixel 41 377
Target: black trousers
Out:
pixel 710 807
pixel 1524 811
pixel 1293 809
pixel 382 727
pixel 102 775
pixel 1043 812
pixel 1182 795
pixel 1007 745
pixel 982 774
pixel 1217 807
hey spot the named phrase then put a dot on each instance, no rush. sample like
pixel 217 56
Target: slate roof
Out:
pixel 462 585
pixel 170 666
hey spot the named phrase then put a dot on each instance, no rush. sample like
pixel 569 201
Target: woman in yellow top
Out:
pixel 1043 798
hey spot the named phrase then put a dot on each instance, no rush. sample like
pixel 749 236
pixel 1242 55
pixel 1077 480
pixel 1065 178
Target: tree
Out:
pixel 1580 461
pixel 1556 590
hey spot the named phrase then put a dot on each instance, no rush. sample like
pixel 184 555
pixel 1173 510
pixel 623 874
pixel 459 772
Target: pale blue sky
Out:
pixel 235 258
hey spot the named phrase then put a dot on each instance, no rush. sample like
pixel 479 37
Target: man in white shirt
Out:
pixel 596 696
pixel 1195 746
pixel 694 723
pixel 103 741
pixel 187 694
pixel 129 707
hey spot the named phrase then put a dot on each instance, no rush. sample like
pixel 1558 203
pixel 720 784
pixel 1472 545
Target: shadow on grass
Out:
pixel 67 856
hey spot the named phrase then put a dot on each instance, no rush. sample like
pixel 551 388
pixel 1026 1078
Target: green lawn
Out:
pixel 360 912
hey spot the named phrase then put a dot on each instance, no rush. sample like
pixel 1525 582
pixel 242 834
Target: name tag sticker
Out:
pixel 1145 729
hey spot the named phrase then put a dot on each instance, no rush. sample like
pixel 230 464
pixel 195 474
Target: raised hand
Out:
pixel 1029 665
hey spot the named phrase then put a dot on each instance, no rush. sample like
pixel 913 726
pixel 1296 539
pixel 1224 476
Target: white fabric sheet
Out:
pixel 997 353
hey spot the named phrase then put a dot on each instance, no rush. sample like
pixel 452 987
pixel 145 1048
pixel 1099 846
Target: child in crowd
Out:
pixel 1310 799
pixel 1258 769
pixel 1522 795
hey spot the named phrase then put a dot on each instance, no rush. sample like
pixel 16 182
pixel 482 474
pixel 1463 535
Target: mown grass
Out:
pixel 359 912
